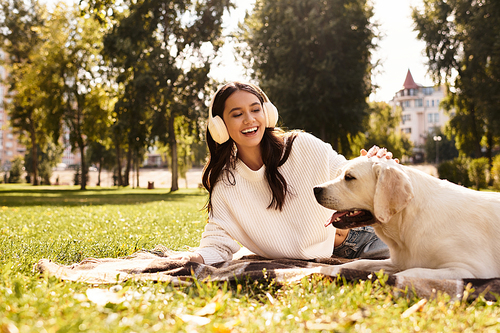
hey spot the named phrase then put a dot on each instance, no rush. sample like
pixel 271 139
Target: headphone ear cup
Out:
pixel 218 129
pixel 271 114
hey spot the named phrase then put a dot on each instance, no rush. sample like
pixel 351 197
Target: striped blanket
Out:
pixel 156 266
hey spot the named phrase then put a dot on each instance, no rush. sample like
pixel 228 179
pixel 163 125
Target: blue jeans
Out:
pixel 362 243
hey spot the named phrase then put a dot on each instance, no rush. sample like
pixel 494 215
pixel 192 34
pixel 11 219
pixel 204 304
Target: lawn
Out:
pixel 67 225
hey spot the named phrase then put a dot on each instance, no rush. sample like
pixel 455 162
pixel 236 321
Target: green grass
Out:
pixel 66 225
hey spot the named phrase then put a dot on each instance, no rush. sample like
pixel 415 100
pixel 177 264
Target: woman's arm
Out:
pixel 216 244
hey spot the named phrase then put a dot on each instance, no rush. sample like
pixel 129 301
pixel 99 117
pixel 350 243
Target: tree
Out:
pixel 381 131
pixel 466 126
pixel 462 38
pixel 163 70
pixel 20 39
pixel 444 150
pixel 161 52
pixel 57 80
pixel 103 155
pixel 69 81
pixel 48 159
pixel 313 59
pixel 16 170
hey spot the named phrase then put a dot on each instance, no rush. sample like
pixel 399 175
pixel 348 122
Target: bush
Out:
pixel 495 172
pixel 478 172
pixel 45 172
pixel 77 178
pixel 456 171
pixel 16 170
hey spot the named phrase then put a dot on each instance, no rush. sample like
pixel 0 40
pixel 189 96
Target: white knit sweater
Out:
pixel 240 213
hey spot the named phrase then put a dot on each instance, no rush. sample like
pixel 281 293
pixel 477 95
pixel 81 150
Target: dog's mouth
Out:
pixel 349 219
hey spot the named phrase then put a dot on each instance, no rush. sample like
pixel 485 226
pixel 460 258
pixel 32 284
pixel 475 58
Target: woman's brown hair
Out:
pixel 275 147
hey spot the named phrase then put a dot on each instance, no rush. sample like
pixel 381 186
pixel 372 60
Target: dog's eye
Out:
pixel 349 177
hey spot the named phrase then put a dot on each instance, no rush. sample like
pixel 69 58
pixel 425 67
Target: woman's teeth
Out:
pixel 249 130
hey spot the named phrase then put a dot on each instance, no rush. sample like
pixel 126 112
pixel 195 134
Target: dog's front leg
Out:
pixel 372 265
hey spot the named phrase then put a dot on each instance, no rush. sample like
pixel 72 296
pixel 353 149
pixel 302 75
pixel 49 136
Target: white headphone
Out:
pixel 218 129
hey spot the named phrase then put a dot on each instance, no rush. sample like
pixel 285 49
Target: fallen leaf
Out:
pixel 321 326
pixel 208 309
pixel 189 319
pixel 414 308
pixel 8 328
pixel 103 296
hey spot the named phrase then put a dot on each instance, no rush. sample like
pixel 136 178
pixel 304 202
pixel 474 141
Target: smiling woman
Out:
pixel 245 122
pixel 260 181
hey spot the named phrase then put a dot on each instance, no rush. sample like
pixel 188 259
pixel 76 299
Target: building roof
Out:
pixel 409 82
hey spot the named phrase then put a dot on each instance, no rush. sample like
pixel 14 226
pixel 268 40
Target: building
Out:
pixel 10 147
pixel 421 114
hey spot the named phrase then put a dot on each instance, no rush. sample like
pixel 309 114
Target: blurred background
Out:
pixel 115 92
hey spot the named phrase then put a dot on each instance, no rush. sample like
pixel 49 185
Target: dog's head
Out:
pixel 365 191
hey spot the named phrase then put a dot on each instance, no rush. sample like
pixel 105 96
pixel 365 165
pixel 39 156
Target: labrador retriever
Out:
pixel 433 228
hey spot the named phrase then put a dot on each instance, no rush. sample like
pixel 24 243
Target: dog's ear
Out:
pixel 392 193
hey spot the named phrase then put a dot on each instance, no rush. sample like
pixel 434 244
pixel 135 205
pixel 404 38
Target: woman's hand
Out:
pixel 188 256
pixel 375 151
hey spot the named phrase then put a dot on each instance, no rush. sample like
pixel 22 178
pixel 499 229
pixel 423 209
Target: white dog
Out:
pixel 434 229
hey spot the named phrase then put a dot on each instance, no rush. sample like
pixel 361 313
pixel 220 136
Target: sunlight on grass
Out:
pixel 67 225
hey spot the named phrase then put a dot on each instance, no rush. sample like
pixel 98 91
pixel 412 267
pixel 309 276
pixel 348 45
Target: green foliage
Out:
pixel 162 61
pixel 58 81
pixel 467 172
pixel 77 178
pixel 104 156
pixel 21 39
pixel 83 100
pixel 184 153
pixel 479 172
pixel 462 46
pixel 456 171
pixel 16 170
pixel 466 126
pixel 382 123
pixel 495 172
pixel 48 159
pixel 313 60
pixel 445 149
pixel 67 225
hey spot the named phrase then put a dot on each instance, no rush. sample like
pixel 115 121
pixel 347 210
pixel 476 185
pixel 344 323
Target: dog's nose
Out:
pixel 318 190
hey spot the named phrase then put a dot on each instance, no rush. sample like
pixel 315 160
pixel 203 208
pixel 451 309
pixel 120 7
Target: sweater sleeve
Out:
pixel 216 245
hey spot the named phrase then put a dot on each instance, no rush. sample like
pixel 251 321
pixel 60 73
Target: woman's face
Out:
pixel 244 119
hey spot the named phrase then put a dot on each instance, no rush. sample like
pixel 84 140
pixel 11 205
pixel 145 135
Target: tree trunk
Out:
pixel 99 172
pixel 128 167
pixel 137 169
pixel 84 166
pixel 34 152
pixel 173 148
pixel 119 162
pixel 477 143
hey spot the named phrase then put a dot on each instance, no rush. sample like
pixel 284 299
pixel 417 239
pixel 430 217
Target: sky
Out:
pixel 398 51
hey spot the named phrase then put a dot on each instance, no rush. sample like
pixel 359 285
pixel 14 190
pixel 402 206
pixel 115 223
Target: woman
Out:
pixel 260 182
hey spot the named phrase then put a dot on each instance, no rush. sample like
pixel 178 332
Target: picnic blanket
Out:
pixel 156 266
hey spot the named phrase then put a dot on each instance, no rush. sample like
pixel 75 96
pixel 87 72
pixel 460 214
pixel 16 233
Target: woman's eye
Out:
pixel 349 177
pixel 256 110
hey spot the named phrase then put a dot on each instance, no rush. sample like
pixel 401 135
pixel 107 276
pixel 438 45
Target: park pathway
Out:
pixel 162 178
